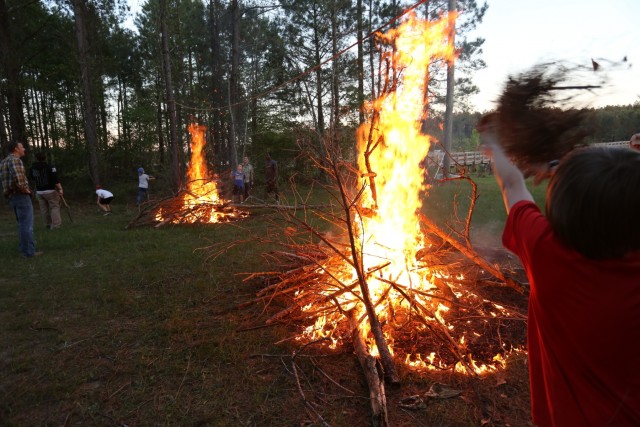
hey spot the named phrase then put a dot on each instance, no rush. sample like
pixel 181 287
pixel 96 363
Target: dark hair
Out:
pixel 593 204
pixel 40 156
pixel 11 146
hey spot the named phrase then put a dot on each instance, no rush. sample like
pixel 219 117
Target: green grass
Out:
pixel 489 214
pixel 113 325
pixel 141 327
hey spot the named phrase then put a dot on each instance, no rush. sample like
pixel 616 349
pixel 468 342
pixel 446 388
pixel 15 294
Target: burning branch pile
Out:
pixel 440 311
pixel 439 321
pixel 390 282
pixel 199 202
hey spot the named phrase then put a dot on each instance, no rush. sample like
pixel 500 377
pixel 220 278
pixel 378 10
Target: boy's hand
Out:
pixel 490 143
pixel 487 128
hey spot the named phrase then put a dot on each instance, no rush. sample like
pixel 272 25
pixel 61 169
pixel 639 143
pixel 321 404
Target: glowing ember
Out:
pixel 387 227
pixel 201 201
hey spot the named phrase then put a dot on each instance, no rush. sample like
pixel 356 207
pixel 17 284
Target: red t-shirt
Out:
pixel 583 328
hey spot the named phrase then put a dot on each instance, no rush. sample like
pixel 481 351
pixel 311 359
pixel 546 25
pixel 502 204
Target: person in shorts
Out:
pixel 238 184
pixel 104 200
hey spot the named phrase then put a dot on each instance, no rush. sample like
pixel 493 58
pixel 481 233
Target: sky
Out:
pixel 521 33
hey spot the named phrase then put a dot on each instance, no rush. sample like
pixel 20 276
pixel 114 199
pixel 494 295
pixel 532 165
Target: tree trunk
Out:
pixel 234 83
pixel 254 99
pixel 101 108
pixel 374 90
pixel 176 180
pixel 37 129
pixel 335 70
pixel 11 63
pixel 46 142
pixel 159 127
pixel 360 61
pixel 4 138
pixel 448 115
pixel 217 98
pixel 80 11
pixel 318 72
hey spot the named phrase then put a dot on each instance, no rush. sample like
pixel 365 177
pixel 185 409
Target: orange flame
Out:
pixel 201 190
pixel 390 148
pixel 402 145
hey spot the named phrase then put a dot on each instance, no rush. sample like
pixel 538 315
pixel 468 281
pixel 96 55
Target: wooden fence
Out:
pixel 478 158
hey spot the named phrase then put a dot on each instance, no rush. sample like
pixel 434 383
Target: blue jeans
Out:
pixel 23 207
pixel 142 194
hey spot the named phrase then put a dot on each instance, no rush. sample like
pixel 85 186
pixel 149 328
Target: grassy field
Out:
pixel 140 327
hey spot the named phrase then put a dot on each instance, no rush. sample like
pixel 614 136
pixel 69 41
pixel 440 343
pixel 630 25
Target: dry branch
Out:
pixel 175 210
pixel 471 254
pixel 371 369
pixel 356 255
pixel 535 125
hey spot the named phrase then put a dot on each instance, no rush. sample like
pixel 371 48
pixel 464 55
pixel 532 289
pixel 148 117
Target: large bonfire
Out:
pixel 394 281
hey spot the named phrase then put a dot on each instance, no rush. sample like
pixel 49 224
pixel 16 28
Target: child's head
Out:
pixel 593 201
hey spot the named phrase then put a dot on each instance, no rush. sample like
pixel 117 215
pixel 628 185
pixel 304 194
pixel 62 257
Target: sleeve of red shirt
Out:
pixel 524 228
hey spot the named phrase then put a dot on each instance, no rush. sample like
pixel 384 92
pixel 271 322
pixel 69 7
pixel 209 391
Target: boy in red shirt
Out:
pixel 634 142
pixel 583 264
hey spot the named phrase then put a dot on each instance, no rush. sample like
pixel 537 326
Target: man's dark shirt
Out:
pixel 44 175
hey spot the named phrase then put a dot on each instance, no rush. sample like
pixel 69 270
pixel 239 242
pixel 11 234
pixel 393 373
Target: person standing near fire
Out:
pixel 247 168
pixel 143 186
pixel 48 191
pixel 271 177
pixel 16 188
pixel 238 184
pixel 582 260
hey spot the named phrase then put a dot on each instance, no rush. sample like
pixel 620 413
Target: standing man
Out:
pixel 16 189
pixel 143 185
pixel 248 177
pixel 271 176
pixel 48 191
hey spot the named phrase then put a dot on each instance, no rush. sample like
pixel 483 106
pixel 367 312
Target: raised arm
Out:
pixel 509 177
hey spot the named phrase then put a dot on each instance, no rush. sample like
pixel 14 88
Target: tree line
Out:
pixel 103 97
pixel 606 124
